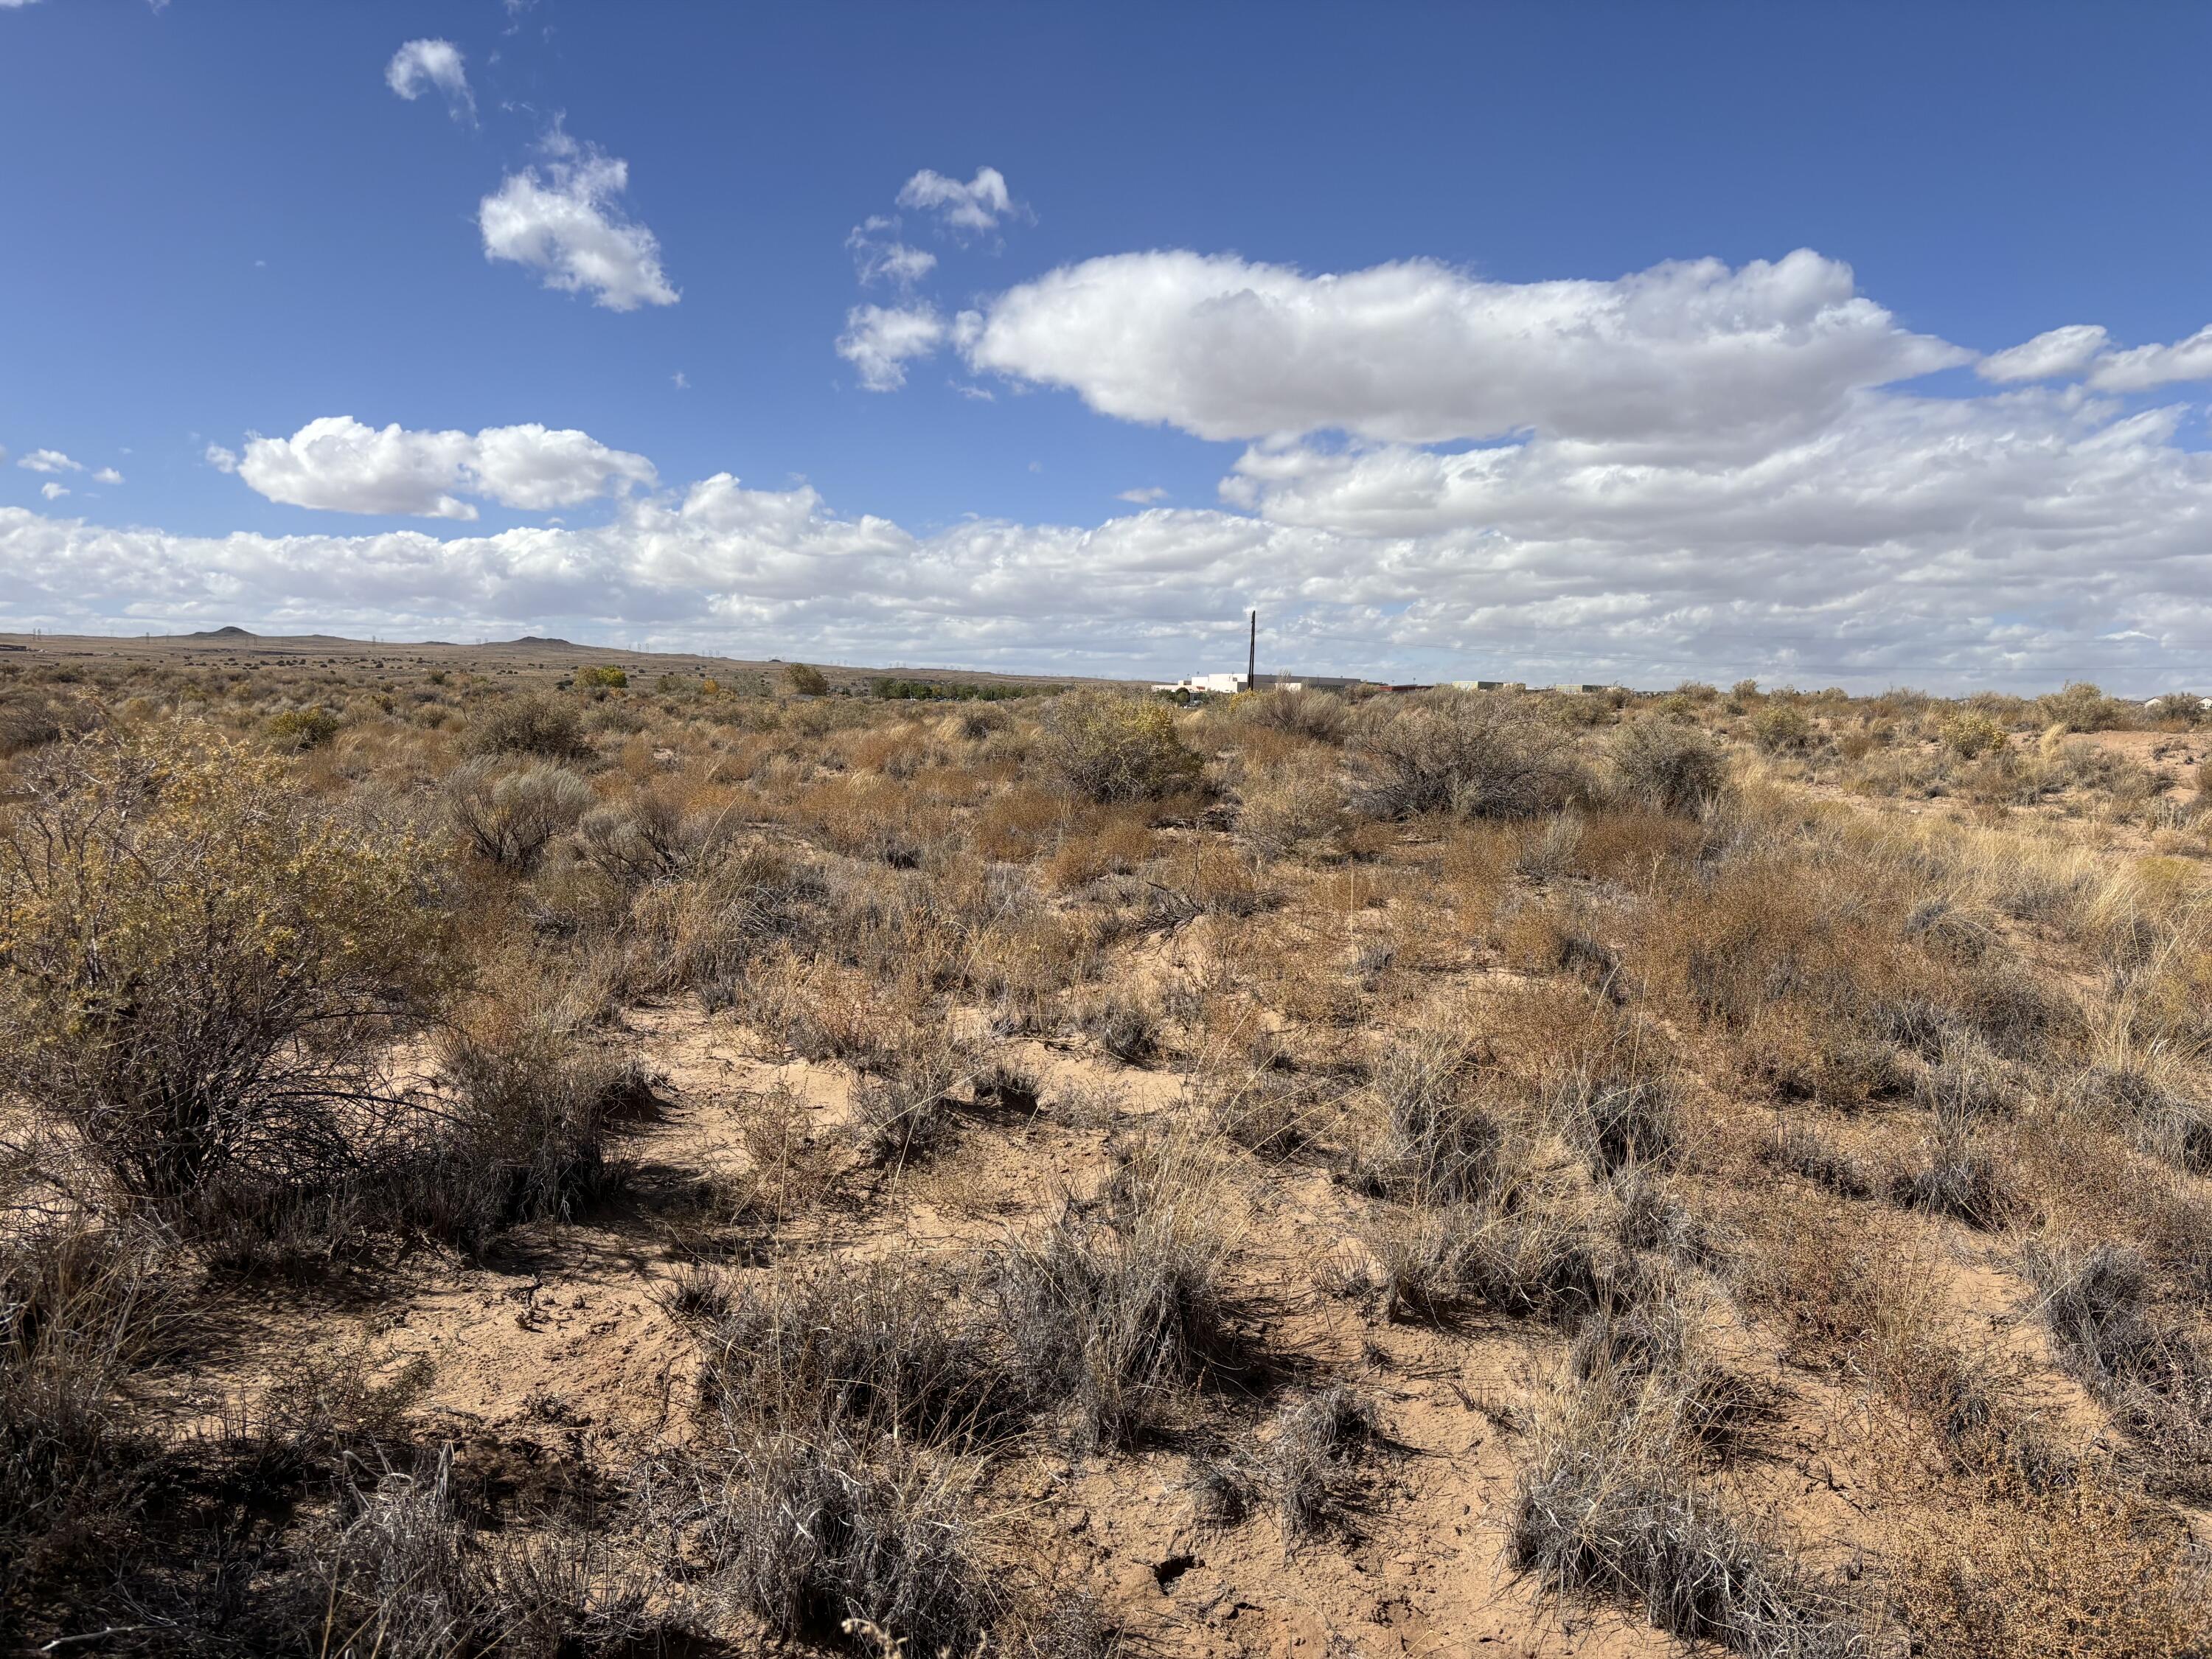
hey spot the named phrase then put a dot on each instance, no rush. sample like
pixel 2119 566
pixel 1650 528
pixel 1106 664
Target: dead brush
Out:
pixel 510 814
pixel 1266 1112
pixel 907 1113
pixel 1537 1246
pixel 1126 1027
pixel 526 1122
pixel 1471 754
pixel 1657 1342
pixel 2155 1376
pixel 1438 1144
pixel 1119 1311
pixel 2164 1121
pixel 878 1347
pixel 1314 1462
pixel 1802 1152
pixel 1956 1176
pixel 81 1307
pixel 403 1579
pixel 1605 1507
pixel 1617 1117
pixel 807 1531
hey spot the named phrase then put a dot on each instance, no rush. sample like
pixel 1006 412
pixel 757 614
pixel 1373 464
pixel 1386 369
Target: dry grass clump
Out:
pixel 526 1115
pixel 1314 1463
pixel 2151 1372
pixel 1803 1151
pixel 810 1533
pixel 1605 1507
pixel 876 1346
pixel 80 1308
pixel 1956 1176
pixel 2163 1118
pixel 405 1577
pixel 1439 1145
pixel 1119 1312
pixel 1291 805
pixel 906 1114
pixel 839 1478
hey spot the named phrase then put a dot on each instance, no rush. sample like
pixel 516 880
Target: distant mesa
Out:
pixel 532 638
pixel 224 634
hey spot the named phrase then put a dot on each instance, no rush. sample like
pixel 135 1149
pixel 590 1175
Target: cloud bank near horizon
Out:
pixel 1692 470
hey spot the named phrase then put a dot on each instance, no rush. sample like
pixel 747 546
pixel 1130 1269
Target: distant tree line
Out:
pixel 931 690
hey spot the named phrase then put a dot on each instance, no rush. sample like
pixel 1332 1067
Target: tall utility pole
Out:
pixel 1251 656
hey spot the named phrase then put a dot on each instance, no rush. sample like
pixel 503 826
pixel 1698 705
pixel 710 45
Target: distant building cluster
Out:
pixel 1226 685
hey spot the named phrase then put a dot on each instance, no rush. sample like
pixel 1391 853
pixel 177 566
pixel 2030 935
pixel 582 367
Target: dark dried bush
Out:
pixel 1477 754
pixel 872 1346
pixel 810 1530
pixel 1802 1152
pixel 512 813
pixel 1439 1145
pixel 1314 1462
pixel 1667 765
pixel 1606 1508
pixel 1322 715
pixel 528 1111
pixel 1956 1178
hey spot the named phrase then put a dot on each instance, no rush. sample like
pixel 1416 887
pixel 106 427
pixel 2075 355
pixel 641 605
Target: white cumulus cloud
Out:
pixel 421 65
pixel 879 256
pixel 2085 351
pixel 52 491
pixel 2060 354
pixel 222 460
pixel 567 223
pixel 879 341
pixel 340 465
pixel 968 208
pixel 1694 471
pixel 1689 352
pixel 49 460
pixel 107 475
pixel 2142 367
pixel 2019 538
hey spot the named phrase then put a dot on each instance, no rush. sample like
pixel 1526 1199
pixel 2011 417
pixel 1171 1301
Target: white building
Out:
pixel 1224 685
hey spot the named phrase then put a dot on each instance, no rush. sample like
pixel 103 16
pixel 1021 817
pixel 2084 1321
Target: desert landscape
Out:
pixel 537 1150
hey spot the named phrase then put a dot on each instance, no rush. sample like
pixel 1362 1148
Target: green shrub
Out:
pixel 1970 734
pixel 534 725
pixel 807 681
pixel 2081 707
pixel 1782 728
pixel 199 972
pixel 302 728
pixel 1108 746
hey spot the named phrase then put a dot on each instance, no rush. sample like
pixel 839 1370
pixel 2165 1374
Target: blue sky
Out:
pixel 1382 319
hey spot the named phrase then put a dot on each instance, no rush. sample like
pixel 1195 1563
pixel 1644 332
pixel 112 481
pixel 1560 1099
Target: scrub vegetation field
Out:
pixel 518 1151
